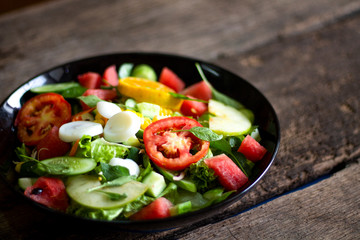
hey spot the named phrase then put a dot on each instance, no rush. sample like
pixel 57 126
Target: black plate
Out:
pixel 223 80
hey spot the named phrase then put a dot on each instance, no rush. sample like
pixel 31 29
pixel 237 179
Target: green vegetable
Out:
pixel 216 95
pixel 55 87
pixel 184 183
pixel 131 104
pixel 113 196
pixel 125 70
pixel 155 182
pixel 114 183
pixel 100 149
pixel 78 190
pixel 25 182
pixel 148 109
pixel 181 96
pixel 202 176
pixel 144 71
pixel 223 146
pixel 181 208
pixel 203 133
pixel 66 165
pixel 170 192
pixel 228 120
pixel 90 100
pixel 145 169
pixel 109 173
pixel 73 92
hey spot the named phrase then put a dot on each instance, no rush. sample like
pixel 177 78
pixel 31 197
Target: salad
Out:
pixel 129 144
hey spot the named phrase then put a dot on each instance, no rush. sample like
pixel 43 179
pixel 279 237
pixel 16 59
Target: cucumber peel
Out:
pixel 66 165
pixel 54 87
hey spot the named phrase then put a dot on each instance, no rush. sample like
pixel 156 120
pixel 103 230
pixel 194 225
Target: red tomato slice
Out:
pixel 170 79
pixel 193 108
pixel 198 90
pixel 110 76
pixel 252 149
pixel 51 145
pixel 173 150
pixel 39 114
pixel 230 175
pixel 90 80
pixel 49 192
pixel 160 208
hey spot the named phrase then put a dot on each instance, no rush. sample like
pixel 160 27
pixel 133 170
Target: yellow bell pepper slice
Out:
pixel 144 90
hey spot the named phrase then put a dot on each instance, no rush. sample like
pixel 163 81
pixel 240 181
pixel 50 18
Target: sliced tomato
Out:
pixel 49 192
pixel 160 208
pixel 170 79
pixel 110 76
pixel 51 145
pixel 230 175
pixel 90 80
pixel 252 149
pixel 174 150
pixel 198 90
pixel 104 94
pixel 193 108
pixel 39 114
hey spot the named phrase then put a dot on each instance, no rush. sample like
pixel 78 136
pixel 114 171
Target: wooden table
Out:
pixel 304 57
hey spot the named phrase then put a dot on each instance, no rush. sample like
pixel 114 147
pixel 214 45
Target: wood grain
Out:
pixel 309 213
pixel 42 37
pixel 302 55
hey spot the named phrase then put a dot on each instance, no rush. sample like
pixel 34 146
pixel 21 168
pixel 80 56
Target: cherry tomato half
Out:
pixel 39 114
pixel 170 149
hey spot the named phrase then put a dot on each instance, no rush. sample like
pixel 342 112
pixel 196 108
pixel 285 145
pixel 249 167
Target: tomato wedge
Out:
pixel 39 114
pixel 170 149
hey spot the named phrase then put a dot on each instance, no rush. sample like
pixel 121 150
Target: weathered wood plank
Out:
pixel 32 41
pixel 312 80
pixel 329 209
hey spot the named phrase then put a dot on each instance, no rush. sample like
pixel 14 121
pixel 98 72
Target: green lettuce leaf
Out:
pixel 100 149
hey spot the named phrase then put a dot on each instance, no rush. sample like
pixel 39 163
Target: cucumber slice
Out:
pixel 155 182
pixel 67 165
pixel 25 182
pixel 148 109
pixel 55 87
pixel 78 187
pixel 228 121
pixel 144 71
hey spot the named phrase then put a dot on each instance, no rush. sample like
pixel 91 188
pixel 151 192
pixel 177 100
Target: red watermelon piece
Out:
pixel 230 175
pixel 171 80
pixel 252 149
pixel 49 192
pixel 160 208
pixel 199 90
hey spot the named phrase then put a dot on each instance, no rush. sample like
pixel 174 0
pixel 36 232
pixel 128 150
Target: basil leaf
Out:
pixel 114 183
pixel 110 172
pixel 221 145
pixel 216 95
pixel 203 133
pixel 181 96
pixel 238 158
pixel 90 100
pixel 113 196
pixel 73 92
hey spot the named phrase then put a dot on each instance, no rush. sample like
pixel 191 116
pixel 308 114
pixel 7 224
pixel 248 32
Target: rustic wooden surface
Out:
pixel 304 56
